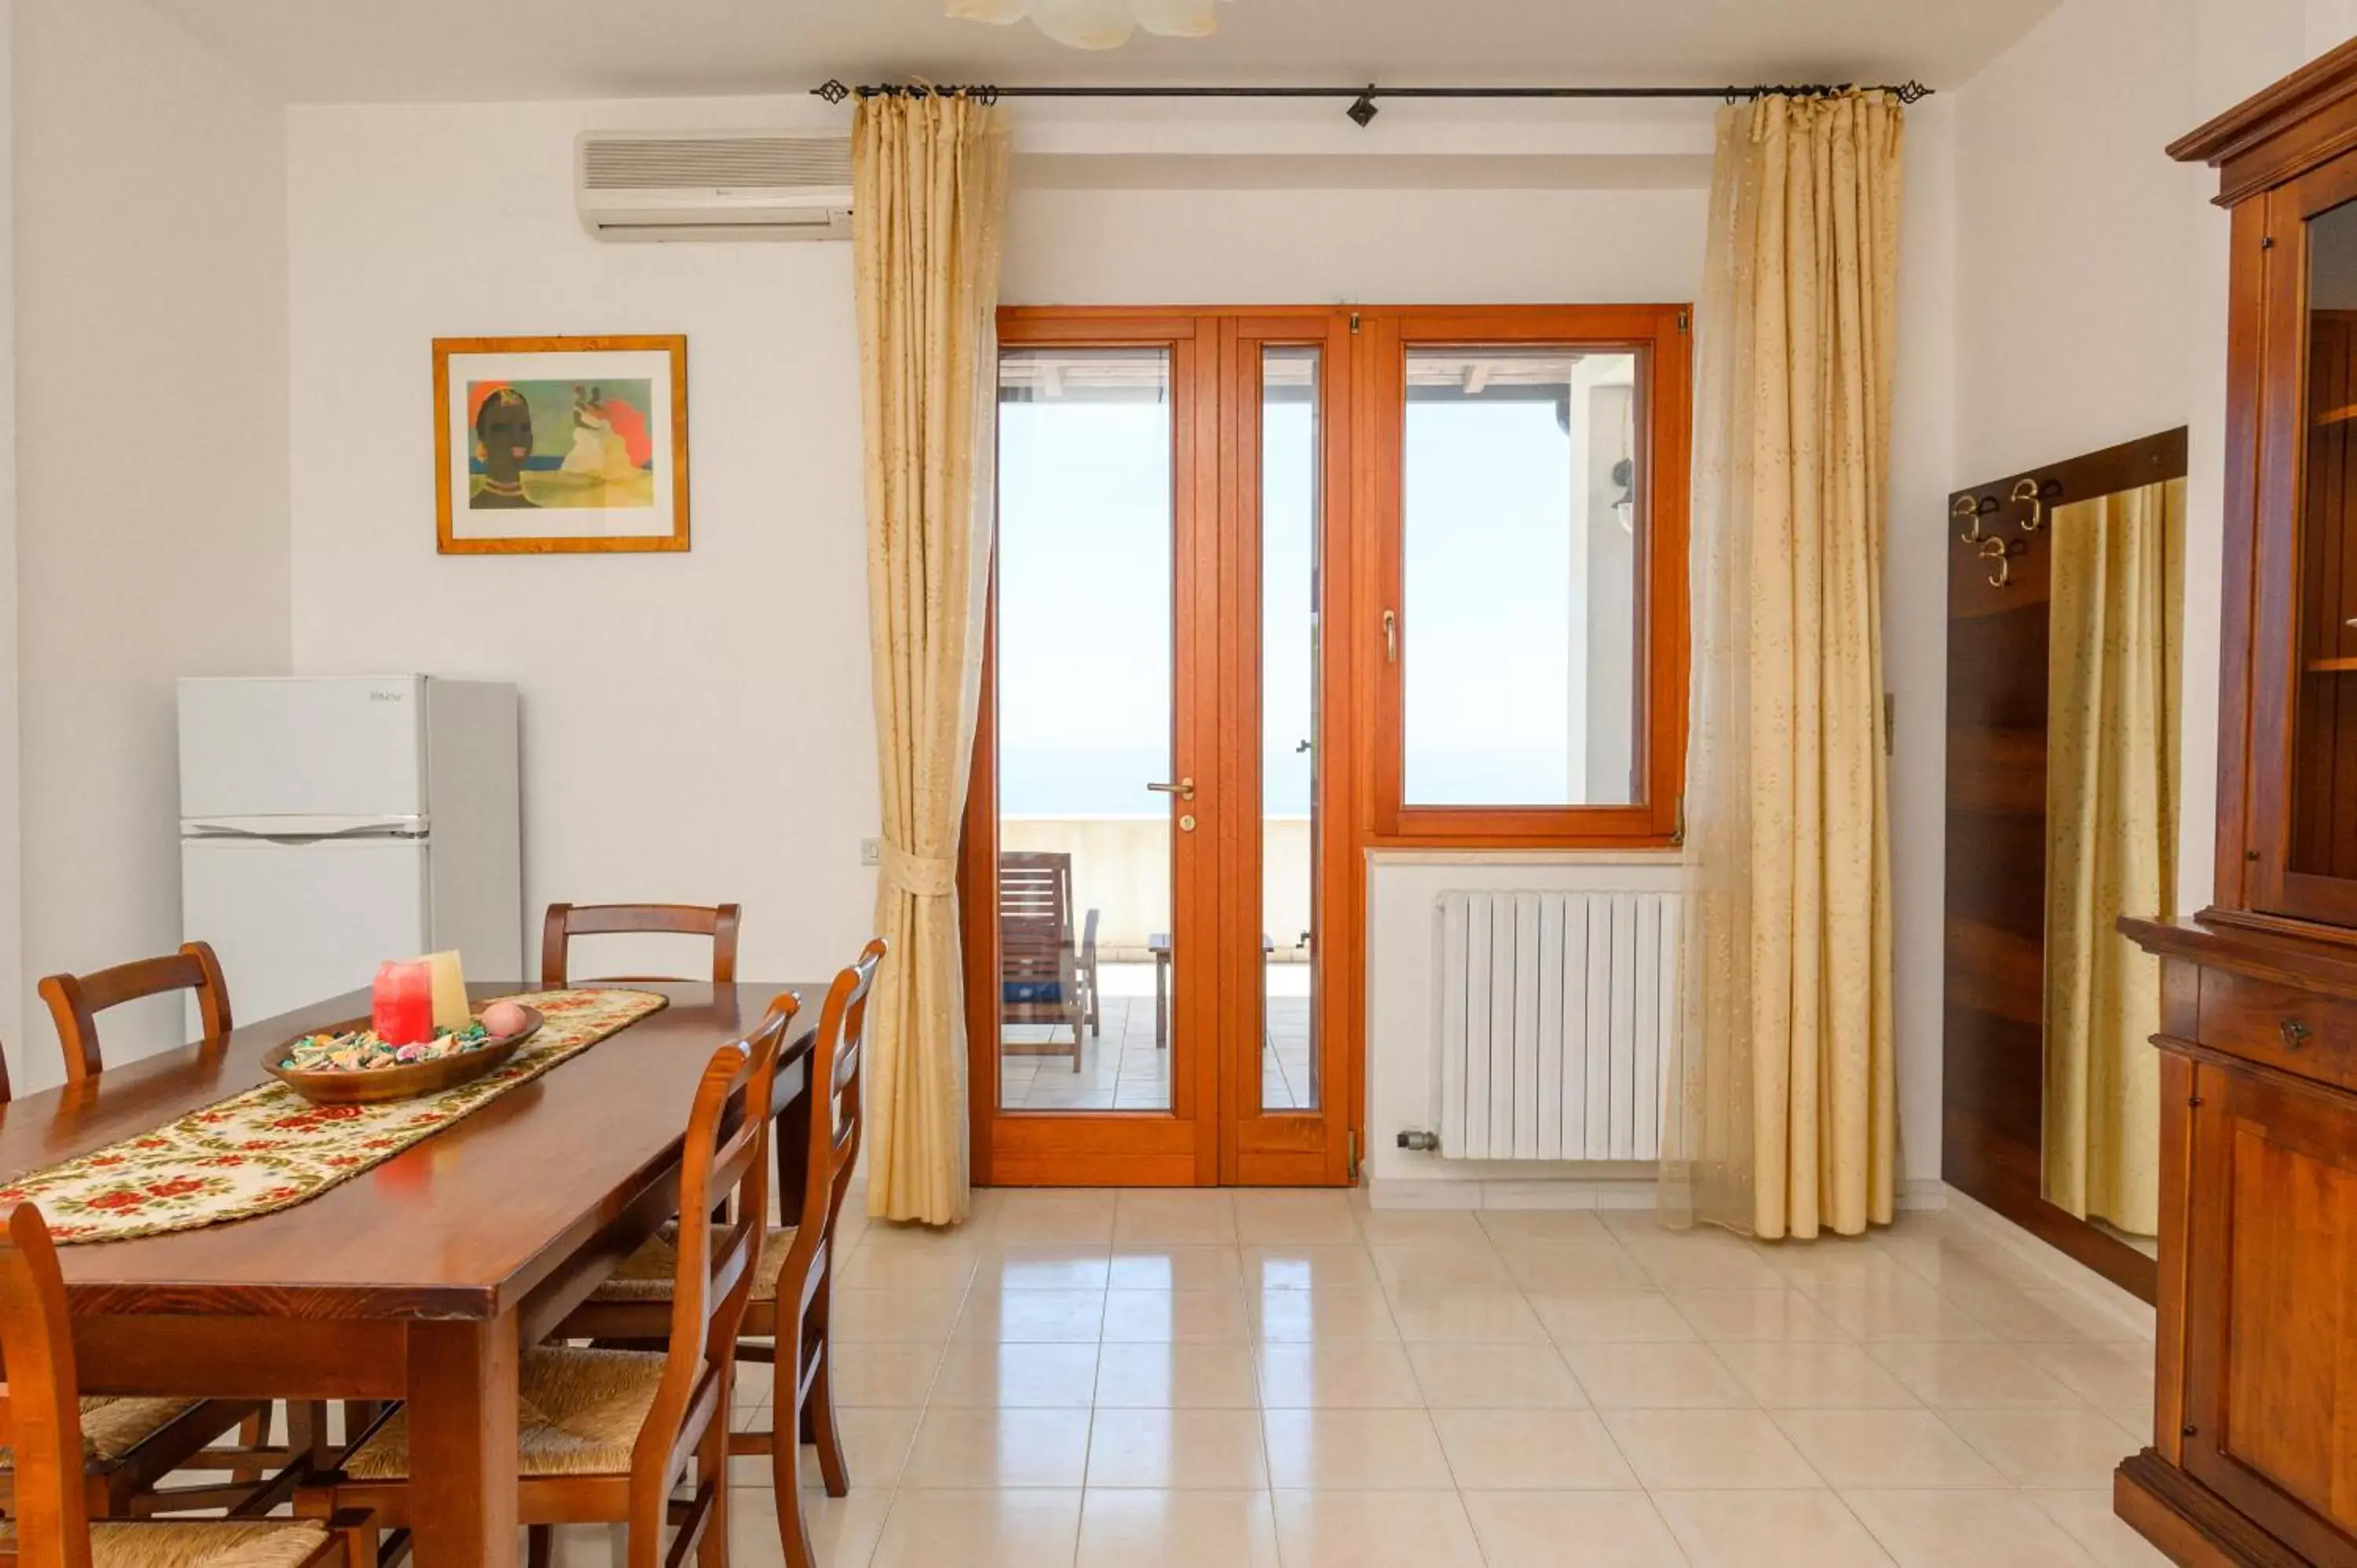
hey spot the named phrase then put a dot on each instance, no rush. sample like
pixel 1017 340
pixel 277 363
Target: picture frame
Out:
pixel 560 445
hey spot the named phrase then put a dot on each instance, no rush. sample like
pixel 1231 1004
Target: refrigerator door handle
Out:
pixel 300 830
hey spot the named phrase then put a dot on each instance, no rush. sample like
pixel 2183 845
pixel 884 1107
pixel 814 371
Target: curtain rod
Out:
pixel 1363 99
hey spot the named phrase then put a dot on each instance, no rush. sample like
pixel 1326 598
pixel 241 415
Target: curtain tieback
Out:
pixel 918 876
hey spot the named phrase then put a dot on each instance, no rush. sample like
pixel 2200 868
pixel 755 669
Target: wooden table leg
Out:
pixel 462 1442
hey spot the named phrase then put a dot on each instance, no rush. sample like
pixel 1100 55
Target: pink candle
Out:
pixel 403 999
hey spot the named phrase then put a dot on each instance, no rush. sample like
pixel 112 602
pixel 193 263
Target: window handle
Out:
pixel 1391 636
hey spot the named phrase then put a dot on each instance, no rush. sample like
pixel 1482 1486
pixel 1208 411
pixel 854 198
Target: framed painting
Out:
pixel 548 444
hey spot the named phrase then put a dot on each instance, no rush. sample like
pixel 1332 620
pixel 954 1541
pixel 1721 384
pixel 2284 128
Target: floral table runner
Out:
pixel 269 1148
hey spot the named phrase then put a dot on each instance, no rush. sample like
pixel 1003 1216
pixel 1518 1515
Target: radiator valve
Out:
pixel 1422 1143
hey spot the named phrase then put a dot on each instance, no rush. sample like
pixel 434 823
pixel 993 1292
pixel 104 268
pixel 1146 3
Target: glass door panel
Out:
pixel 1289 893
pixel 2324 773
pixel 1085 729
pixel 1291 516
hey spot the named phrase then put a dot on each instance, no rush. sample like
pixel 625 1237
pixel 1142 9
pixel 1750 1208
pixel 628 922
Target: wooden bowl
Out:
pixel 374 1086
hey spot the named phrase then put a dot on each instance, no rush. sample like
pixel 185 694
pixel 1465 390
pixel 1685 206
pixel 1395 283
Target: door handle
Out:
pixel 1184 789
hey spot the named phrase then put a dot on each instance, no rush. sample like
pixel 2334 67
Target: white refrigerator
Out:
pixel 329 823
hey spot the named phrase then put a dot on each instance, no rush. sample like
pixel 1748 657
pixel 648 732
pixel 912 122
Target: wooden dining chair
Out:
pixel 42 1422
pixel 135 1444
pixel 76 1001
pixel 606 1435
pixel 565 921
pixel 787 1323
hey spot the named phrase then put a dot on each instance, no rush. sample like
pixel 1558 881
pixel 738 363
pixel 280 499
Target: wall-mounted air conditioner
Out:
pixel 714 184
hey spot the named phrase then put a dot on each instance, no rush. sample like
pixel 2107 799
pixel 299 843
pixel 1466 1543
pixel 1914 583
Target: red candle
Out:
pixel 404 1000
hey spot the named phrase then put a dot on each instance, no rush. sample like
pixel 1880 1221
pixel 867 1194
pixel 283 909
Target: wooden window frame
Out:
pixel 1659 335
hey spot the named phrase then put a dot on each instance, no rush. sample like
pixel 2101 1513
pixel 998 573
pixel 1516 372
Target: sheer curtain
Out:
pixel 929 177
pixel 2110 843
pixel 1782 1117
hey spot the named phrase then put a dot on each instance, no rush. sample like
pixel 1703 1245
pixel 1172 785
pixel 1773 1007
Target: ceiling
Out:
pixel 409 50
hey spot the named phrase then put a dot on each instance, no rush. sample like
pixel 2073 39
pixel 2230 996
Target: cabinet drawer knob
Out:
pixel 2295 1033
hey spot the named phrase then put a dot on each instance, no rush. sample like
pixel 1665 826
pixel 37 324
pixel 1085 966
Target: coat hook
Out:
pixel 1976 507
pixel 1963 508
pixel 2028 490
pixel 1993 549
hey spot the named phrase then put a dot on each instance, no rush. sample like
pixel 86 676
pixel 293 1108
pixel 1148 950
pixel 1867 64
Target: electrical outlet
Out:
pixel 871 851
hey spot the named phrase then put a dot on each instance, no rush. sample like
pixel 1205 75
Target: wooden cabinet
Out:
pixel 2254 1459
pixel 2271 1313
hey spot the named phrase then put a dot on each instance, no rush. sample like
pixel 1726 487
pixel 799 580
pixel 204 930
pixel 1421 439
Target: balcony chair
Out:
pixel 1044 976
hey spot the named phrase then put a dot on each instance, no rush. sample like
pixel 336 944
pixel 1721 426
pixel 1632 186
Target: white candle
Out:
pixel 449 990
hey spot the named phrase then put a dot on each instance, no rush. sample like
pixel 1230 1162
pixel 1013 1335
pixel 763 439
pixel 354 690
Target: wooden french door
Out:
pixel 1155 850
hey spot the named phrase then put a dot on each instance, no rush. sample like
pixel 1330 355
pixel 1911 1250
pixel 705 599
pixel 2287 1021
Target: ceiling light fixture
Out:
pixel 1094 24
pixel 1363 108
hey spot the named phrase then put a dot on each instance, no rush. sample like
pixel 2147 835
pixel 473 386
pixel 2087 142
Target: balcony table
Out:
pixel 424 1277
pixel 1158 946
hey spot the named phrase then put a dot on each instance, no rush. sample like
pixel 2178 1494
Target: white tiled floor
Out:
pixel 1121 1068
pixel 1102 1381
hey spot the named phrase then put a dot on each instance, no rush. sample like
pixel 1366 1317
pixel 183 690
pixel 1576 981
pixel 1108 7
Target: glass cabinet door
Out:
pixel 2322 825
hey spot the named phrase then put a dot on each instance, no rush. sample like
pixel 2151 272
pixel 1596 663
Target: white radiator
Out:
pixel 1557 1010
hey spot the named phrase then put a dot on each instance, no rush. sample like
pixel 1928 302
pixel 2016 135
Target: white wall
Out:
pixel 2092 275
pixel 12 869
pixel 2072 267
pixel 2064 290
pixel 2327 24
pixel 151 443
pixel 1914 621
pixel 2078 283
pixel 1318 247
pixel 696 727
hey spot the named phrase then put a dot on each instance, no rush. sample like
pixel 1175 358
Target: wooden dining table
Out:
pixel 423 1278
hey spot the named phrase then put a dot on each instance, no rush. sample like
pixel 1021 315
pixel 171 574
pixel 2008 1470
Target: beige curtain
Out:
pixel 929 177
pixel 2115 624
pixel 1781 1116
